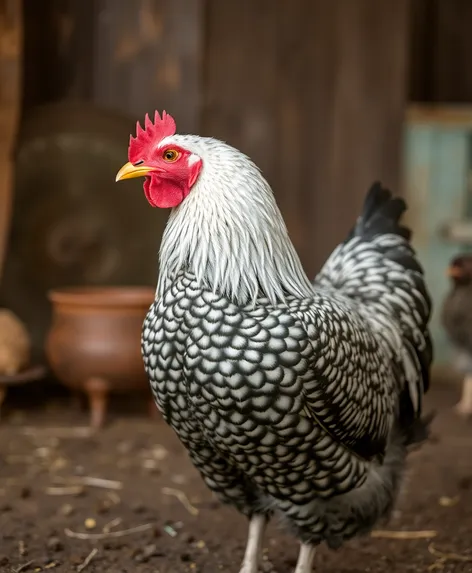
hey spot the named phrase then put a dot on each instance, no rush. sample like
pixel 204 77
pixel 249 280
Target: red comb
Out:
pixel 151 134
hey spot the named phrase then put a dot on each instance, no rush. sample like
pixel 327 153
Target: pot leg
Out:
pixel 97 390
pixel 3 393
pixel 76 401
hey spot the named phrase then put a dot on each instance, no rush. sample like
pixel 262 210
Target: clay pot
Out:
pixel 94 343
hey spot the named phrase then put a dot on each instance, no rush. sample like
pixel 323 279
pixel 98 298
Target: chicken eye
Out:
pixel 170 155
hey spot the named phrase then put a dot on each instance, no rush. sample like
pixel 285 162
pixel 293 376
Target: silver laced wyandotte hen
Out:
pixel 292 398
pixel 457 321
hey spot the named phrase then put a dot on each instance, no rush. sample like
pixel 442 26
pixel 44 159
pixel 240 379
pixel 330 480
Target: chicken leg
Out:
pixel 252 556
pixel 464 407
pixel 305 559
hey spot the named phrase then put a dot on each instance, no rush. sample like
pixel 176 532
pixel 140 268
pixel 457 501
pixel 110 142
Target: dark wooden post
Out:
pixel 10 81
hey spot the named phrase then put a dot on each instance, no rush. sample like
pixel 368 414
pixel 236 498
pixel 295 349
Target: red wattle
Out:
pixel 164 193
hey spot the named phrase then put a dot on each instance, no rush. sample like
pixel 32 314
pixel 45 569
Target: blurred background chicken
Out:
pixel 457 320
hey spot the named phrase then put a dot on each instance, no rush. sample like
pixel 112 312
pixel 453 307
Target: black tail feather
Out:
pixel 381 214
pixel 381 239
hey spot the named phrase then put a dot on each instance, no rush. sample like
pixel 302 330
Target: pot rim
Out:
pixel 104 296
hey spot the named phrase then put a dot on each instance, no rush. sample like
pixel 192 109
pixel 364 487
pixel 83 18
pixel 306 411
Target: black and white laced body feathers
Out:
pixel 290 397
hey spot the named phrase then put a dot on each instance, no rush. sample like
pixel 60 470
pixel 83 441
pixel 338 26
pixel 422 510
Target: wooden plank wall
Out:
pixel 129 56
pixel 58 50
pixel 10 81
pixel 441 42
pixel 312 90
pixel 148 54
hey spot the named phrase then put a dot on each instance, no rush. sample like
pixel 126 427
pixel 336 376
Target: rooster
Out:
pixel 457 321
pixel 292 398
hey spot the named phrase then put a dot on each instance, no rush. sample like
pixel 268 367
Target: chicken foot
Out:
pixel 464 407
pixel 253 553
pixel 305 559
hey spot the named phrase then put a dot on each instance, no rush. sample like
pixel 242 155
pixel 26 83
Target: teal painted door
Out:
pixel 437 159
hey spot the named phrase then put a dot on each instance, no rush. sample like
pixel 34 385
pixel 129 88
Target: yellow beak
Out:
pixel 129 171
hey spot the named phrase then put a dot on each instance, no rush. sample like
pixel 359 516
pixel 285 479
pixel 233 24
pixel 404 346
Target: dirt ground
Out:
pixel 52 510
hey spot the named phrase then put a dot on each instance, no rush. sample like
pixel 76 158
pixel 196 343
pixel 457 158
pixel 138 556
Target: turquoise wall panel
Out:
pixel 436 167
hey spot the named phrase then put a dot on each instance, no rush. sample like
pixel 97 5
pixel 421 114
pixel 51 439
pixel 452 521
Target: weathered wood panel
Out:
pixel 422 31
pixel 10 82
pixel 452 80
pixel 440 51
pixel 148 56
pixel 240 77
pixel 314 92
pixel 369 44
pixel 130 56
pixel 58 50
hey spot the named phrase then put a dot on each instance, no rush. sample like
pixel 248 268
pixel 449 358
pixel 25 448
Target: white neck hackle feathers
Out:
pixel 229 231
